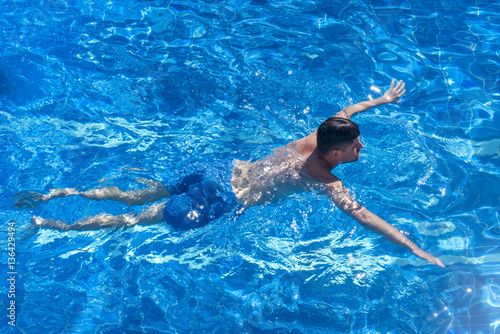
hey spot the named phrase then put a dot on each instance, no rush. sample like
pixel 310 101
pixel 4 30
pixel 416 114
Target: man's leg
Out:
pixel 153 215
pixel 132 197
pixel 156 190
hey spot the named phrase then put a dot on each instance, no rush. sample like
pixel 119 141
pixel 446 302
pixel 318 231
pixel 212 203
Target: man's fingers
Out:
pixel 434 260
pixel 401 84
pixel 392 83
pixel 438 262
pixel 394 92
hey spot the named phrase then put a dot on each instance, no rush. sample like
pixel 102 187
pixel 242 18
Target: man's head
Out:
pixel 341 135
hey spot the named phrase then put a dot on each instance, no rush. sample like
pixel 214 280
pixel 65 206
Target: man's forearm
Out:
pixel 367 219
pixel 392 95
pixel 343 200
pixel 360 107
pixel 376 224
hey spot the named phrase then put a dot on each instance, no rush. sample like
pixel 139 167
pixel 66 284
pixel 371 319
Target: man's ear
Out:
pixel 335 153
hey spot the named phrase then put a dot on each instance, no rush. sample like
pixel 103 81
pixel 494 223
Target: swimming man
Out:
pixel 301 165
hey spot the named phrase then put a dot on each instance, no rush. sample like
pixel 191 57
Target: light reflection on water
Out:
pixel 104 93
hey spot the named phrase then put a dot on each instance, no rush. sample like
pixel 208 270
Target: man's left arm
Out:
pixel 392 95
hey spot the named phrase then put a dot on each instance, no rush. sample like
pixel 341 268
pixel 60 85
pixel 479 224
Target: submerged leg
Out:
pixel 31 199
pixel 133 197
pixel 87 224
pixel 156 190
pixel 153 215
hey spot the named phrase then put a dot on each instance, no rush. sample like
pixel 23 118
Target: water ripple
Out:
pixel 102 93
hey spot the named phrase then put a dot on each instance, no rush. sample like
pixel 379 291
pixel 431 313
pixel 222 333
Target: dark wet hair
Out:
pixel 335 133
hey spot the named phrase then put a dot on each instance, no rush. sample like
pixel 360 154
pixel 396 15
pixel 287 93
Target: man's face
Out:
pixel 351 152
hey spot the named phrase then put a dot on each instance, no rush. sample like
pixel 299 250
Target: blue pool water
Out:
pixel 97 93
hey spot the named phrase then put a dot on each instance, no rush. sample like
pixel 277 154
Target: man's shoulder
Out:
pixel 319 171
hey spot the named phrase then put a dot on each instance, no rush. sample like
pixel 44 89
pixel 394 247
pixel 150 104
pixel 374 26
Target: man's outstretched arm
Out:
pixel 392 95
pixel 340 196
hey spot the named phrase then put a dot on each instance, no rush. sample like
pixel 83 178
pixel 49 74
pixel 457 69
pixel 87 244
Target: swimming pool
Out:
pixel 104 93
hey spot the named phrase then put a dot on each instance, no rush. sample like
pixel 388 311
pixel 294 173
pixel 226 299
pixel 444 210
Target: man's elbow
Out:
pixel 365 218
pixel 359 213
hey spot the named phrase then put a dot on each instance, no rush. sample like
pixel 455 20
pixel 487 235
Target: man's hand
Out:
pixel 394 93
pixel 426 256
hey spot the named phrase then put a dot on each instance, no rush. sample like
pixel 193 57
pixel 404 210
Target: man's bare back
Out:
pixel 276 176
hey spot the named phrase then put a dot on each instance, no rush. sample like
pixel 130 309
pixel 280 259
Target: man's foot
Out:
pixel 31 199
pixel 28 199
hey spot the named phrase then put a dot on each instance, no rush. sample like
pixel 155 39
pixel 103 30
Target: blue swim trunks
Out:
pixel 196 201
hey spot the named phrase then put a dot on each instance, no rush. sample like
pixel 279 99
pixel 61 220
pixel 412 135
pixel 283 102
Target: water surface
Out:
pixel 104 93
